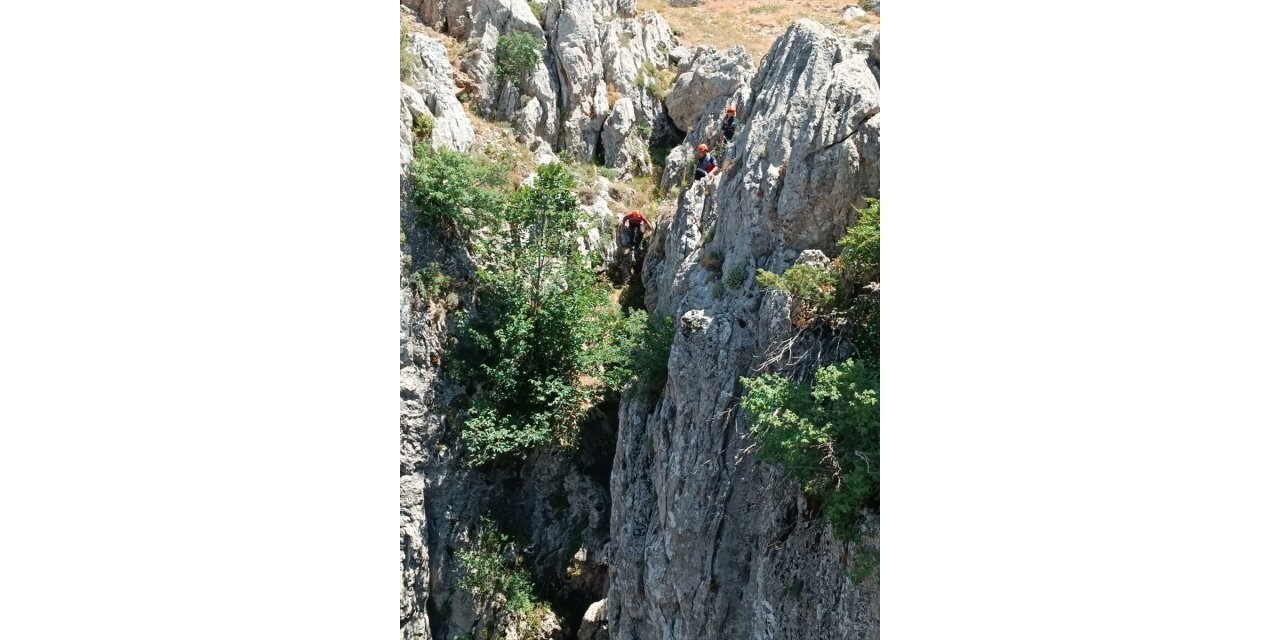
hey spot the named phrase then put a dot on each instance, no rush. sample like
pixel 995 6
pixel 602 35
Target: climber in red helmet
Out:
pixel 706 163
pixel 730 124
pixel 633 225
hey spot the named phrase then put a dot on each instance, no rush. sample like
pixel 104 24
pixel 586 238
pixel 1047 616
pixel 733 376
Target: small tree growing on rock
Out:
pixel 516 55
pixel 539 347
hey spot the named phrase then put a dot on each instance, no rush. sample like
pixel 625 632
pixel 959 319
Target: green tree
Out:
pixel 454 190
pixel 538 348
pixel 826 435
pixel 516 55
pixel 639 355
pixel 845 294
pixel 860 255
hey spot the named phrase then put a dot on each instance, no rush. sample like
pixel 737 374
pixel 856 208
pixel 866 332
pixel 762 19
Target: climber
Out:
pixel 633 225
pixel 730 123
pixel 706 164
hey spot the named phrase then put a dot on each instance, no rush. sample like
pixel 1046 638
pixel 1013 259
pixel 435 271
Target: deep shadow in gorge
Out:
pixel 556 504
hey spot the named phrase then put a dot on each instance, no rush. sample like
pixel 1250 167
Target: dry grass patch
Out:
pixel 754 24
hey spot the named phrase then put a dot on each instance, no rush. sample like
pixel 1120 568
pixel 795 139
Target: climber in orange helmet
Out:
pixel 633 225
pixel 706 163
pixel 730 123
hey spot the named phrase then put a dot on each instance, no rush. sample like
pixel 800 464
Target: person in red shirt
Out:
pixel 633 225
pixel 706 163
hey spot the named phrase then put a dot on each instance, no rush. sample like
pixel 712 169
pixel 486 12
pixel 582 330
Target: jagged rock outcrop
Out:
pixel 595 623
pixel 709 81
pixel 431 91
pixel 664 509
pixel 706 541
pixel 594 92
pixel 610 63
pixel 528 103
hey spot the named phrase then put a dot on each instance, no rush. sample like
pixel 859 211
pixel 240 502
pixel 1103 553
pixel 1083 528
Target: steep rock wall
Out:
pixel 706 541
pixel 591 95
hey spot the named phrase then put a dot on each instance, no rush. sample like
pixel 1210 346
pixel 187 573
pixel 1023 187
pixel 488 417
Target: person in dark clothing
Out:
pixel 730 123
pixel 633 225
pixel 706 163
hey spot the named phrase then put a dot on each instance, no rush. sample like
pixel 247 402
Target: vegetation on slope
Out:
pixel 492 574
pixel 516 55
pixel 546 341
pixel 826 433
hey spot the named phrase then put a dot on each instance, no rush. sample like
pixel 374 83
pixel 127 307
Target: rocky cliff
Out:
pixel 706 542
pixel 662 525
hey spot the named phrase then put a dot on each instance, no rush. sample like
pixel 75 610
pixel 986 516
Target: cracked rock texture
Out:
pixel 709 81
pixel 557 503
pixel 663 526
pixel 593 93
pixel 431 91
pixel 706 541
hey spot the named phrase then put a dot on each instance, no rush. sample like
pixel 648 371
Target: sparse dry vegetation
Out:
pixel 754 24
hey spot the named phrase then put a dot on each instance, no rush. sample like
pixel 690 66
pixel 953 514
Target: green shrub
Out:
pixel 826 435
pixel 407 57
pixel 430 282
pixel 545 333
pixel 539 10
pixel 656 82
pixel 811 286
pixel 859 263
pixel 869 6
pixel 639 359
pixel 860 255
pixel 423 125
pixel 736 278
pixel 517 54
pixel 645 129
pixel 841 294
pixel 717 291
pixel 493 580
pixel 712 260
pixel 455 190
pixel 657 89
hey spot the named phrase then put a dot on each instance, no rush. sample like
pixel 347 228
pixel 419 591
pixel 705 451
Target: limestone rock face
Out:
pixel 663 509
pixel 558 503
pixel 706 541
pixel 596 54
pixel 605 54
pixel 595 623
pixel 431 90
pixel 709 81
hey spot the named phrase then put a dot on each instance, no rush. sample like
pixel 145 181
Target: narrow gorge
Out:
pixel 636 504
